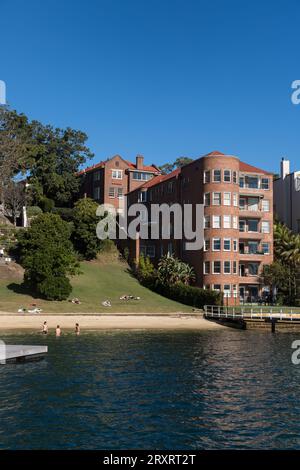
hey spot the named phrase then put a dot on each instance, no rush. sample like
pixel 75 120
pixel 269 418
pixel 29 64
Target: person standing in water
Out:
pixel 58 331
pixel 45 328
pixel 77 329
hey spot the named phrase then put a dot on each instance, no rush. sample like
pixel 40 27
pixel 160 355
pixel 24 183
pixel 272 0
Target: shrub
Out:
pixel 145 271
pixel 47 204
pixel 47 255
pixel 66 213
pixel 188 295
pixel 33 211
pixel 84 235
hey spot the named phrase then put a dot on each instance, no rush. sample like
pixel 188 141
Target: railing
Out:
pixel 213 311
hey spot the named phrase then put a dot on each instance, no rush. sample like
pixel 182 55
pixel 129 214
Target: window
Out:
pixel 252 182
pixel 206 267
pixel 242 226
pixel 207 176
pixel 207 199
pixel 252 225
pixel 216 267
pixel 148 250
pixel 216 244
pixel 242 181
pixel 227 244
pixel 227 290
pixel 227 267
pixel 216 221
pixel 170 248
pixel 252 247
pixel 265 226
pixel 265 183
pixel 235 290
pixel 234 177
pixel 117 174
pixel 265 248
pixel 227 221
pixel 217 287
pixel 227 176
pixel 234 222
pixel 227 199
pixel 96 175
pixel 207 244
pixel 253 204
pixel 97 193
pixel 242 204
pixel 111 192
pixel 143 196
pixel 235 199
pixel 141 176
pixel 120 193
pixel 235 245
pixel 253 269
pixel 234 267
pixel 217 176
pixel 206 221
pixel 216 199
pixel 265 205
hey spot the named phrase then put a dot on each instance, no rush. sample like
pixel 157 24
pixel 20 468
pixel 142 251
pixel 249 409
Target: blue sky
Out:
pixel 164 78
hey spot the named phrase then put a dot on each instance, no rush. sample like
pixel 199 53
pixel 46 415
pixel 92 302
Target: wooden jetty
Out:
pixel 244 318
pixel 21 353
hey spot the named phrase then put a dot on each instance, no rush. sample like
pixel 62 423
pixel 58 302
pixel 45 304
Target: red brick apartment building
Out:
pixel 108 181
pixel 238 223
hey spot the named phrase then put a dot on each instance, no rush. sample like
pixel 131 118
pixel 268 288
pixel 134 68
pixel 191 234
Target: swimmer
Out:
pixel 45 328
pixel 77 329
pixel 58 331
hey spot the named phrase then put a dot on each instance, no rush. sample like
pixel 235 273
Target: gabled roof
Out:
pixel 151 168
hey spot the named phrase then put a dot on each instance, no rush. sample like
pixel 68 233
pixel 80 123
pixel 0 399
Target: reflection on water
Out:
pixel 163 390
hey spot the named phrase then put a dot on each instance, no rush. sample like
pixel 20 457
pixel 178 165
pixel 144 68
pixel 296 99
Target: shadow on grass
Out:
pixel 21 288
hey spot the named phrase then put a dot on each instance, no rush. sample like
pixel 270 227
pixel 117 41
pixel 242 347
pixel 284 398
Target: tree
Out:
pixel 84 235
pixel 53 170
pixel 16 145
pixel 179 163
pixel 13 199
pixel 47 255
pixel 171 271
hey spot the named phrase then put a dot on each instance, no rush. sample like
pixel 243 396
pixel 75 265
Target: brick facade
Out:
pixel 238 211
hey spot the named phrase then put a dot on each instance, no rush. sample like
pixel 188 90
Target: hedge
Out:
pixel 188 295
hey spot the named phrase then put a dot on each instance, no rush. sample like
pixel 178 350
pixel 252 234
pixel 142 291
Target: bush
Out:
pixel 66 213
pixel 188 295
pixel 47 204
pixel 33 211
pixel 47 255
pixel 84 235
pixel 55 288
pixel 145 271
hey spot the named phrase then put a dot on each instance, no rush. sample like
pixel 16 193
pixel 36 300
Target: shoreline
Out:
pixel 133 321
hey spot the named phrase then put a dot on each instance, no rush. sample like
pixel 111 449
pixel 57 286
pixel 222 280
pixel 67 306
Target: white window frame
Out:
pixel 226 221
pixel 220 198
pixel 262 205
pixel 207 196
pixel 227 200
pixel 230 174
pixel 226 240
pixel 205 264
pixel 263 223
pixel 213 244
pixel 224 271
pixel 214 179
pixel 115 172
pixel 205 179
pixel 206 222
pixel 213 263
pixel 214 218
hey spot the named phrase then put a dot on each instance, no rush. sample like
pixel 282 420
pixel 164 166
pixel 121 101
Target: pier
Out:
pixel 21 353
pixel 272 318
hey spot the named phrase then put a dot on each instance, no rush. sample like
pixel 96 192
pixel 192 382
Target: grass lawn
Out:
pixel 99 281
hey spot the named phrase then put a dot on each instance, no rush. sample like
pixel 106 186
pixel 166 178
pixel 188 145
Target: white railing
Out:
pixel 276 313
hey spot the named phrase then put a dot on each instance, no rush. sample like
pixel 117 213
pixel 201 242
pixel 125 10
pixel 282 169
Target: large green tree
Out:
pixel 84 235
pixel 47 255
pixel 53 170
pixel 179 162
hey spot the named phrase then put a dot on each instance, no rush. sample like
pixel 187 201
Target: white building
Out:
pixel 287 196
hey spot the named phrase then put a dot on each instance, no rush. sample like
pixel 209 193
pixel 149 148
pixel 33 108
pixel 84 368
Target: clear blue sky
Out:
pixel 163 78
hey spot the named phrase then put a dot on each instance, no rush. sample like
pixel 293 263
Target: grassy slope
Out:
pixel 99 281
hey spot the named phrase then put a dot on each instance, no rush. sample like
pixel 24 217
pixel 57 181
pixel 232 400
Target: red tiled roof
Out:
pixel 215 153
pixel 252 169
pixel 160 179
pixel 151 168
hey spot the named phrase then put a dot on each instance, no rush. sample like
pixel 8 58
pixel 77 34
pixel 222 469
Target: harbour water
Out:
pixel 153 390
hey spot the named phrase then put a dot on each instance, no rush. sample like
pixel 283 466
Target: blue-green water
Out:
pixel 162 390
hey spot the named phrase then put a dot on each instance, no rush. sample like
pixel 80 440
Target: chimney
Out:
pixel 139 162
pixel 284 168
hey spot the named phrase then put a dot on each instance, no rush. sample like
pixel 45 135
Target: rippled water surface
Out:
pixel 118 390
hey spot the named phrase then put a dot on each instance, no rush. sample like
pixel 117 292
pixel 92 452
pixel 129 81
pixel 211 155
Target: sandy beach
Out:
pixel 104 322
